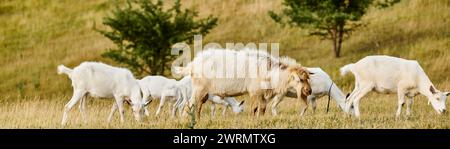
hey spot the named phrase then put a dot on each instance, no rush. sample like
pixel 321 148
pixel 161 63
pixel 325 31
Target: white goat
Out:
pixel 185 87
pixel 236 107
pixel 321 85
pixel 386 74
pixel 213 71
pixel 159 87
pixel 103 81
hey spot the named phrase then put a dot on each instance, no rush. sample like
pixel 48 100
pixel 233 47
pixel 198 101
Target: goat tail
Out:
pixel 347 68
pixel 63 69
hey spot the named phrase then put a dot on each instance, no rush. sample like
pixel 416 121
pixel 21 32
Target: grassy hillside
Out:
pixel 36 36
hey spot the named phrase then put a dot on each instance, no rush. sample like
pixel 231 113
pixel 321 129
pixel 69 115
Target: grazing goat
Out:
pixel 321 85
pixel 159 87
pixel 232 73
pixel 236 107
pixel 185 85
pixel 386 74
pixel 103 81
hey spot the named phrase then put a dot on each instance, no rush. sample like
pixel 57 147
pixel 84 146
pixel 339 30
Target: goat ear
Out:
pixel 432 90
pixel 346 96
pixel 242 102
pixel 304 74
pixel 447 93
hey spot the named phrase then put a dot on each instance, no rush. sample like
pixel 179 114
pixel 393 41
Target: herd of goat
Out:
pixel 218 75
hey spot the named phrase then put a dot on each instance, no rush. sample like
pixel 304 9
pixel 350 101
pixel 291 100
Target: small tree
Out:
pixel 329 19
pixel 144 32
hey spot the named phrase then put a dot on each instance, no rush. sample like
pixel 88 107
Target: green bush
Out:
pixel 144 32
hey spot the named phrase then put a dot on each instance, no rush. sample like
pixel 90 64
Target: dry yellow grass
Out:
pixel 377 112
pixel 36 36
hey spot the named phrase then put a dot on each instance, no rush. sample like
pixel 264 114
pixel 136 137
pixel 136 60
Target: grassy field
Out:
pixel 377 112
pixel 36 36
